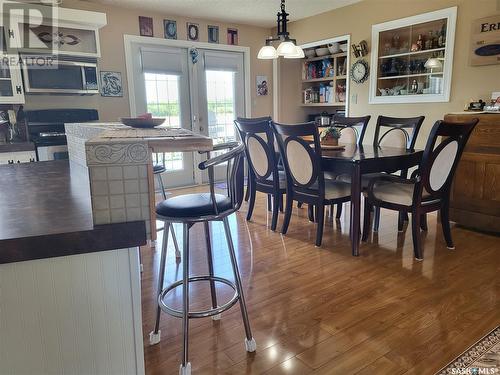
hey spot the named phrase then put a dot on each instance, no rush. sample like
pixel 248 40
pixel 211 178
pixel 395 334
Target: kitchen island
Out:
pixel 119 160
pixel 70 299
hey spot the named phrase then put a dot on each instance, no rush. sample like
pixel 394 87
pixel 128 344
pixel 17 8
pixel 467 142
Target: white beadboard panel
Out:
pixel 72 315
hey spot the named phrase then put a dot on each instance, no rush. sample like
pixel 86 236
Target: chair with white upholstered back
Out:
pixel 352 131
pixel 263 173
pixel 304 174
pixel 429 188
pixel 401 132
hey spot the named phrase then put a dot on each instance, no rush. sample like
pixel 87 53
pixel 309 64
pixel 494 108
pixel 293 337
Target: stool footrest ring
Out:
pixel 202 313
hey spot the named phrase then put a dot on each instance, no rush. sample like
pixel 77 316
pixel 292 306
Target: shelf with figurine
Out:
pixel 412 58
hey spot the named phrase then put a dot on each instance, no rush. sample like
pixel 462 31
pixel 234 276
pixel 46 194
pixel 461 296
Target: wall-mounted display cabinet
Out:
pixel 412 58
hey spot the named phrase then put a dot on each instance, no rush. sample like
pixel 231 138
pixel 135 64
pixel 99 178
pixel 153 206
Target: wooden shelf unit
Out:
pixel 331 80
pixel 334 104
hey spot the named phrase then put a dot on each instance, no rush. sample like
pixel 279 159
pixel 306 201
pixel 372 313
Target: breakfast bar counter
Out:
pixel 119 161
pixel 70 297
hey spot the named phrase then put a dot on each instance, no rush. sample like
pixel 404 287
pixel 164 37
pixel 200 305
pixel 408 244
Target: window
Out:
pixel 162 99
pixel 221 105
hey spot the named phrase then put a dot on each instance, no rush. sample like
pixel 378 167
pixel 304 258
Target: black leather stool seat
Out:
pixel 192 205
pixel 159 168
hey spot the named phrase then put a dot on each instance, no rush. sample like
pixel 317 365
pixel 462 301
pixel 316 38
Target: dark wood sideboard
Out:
pixel 475 195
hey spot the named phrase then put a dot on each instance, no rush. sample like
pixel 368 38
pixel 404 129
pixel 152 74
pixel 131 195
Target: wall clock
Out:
pixel 359 71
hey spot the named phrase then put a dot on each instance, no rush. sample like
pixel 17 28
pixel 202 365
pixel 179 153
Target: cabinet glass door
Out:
pixel 11 90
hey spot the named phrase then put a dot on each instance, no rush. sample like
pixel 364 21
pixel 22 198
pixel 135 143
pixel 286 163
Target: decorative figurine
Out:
pixel 420 42
pixel 414 86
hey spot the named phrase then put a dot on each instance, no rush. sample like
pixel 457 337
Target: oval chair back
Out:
pixel 302 162
pixel 258 137
pixel 397 131
pixel 353 128
pixel 441 158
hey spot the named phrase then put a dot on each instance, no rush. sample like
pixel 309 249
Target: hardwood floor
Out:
pixel 322 311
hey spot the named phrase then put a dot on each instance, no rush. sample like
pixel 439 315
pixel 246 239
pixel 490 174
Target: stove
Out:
pixel 46 130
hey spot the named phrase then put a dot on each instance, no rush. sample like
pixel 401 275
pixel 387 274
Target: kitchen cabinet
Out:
pixel 412 58
pixel 17 157
pixel 11 85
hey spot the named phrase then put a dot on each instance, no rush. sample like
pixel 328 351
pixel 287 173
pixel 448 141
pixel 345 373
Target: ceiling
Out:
pixel 251 12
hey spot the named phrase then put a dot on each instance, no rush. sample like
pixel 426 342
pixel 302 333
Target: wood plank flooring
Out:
pixel 322 311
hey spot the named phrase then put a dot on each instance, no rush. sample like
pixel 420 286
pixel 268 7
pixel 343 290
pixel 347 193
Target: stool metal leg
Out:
pixel 185 368
pixel 210 261
pixel 174 239
pixel 155 336
pixel 250 344
pixel 160 182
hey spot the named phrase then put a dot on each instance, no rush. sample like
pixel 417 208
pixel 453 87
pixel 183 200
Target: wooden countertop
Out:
pixel 46 212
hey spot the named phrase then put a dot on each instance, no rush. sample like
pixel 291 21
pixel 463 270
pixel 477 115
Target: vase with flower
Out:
pixel 330 136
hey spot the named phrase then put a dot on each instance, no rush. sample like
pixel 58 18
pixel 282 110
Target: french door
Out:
pixel 220 86
pixel 204 95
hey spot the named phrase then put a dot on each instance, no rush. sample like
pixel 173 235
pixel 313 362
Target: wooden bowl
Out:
pixel 141 123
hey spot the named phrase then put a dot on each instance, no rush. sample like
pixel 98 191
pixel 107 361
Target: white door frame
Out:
pixel 276 85
pixel 128 40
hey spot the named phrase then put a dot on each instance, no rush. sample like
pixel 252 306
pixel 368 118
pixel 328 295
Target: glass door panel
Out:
pixel 221 97
pixel 162 88
pixel 162 100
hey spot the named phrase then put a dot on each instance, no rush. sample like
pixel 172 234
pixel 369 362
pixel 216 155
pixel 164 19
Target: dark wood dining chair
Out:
pixel 353 132
pixel 257 120
pixel 304 173
pixel 263 173
pixel 428 189
pixel 399 132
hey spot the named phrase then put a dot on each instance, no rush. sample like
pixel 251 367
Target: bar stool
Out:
pixel 158 170
pixel 202 208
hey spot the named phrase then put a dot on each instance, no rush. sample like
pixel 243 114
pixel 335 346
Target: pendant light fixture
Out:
pixel 288 47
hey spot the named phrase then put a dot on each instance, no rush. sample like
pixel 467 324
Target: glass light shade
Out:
pixel 433 63
pixel 267 52
pixel 299 54
pixel 286 49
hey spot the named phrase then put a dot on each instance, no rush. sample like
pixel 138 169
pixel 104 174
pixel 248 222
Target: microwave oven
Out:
pixel 45 74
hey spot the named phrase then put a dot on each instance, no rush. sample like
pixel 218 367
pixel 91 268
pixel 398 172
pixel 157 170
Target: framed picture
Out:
pixel 232 37
pixel 145 26
pixel 485 41
pixel 111 84
pixel 213 34
pixel 193 32
pixel 261 84
pixel 170 29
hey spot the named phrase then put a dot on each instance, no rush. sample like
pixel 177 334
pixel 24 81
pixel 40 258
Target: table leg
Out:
pixel 355 208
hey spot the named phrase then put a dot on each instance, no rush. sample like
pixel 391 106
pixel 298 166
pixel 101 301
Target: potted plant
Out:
pixel 330 136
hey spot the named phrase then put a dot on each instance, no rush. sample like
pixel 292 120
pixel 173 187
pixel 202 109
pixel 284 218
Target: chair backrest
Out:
pixel 258 137
pixel 353 128
pixel 302 162
pixel 235 174
pixel 397 132
pixel 441 157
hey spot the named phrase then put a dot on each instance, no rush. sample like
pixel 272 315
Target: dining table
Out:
pixel 356 160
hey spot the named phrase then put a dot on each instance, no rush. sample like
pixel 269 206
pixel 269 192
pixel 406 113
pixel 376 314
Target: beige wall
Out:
pixel 467 82
pixel 125 21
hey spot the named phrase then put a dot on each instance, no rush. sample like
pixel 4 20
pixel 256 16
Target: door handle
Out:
pixel 202 128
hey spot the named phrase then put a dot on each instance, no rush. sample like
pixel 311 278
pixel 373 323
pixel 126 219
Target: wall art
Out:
pixel 111 84
pixel 170 29
pixel 145 26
